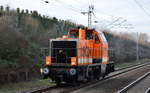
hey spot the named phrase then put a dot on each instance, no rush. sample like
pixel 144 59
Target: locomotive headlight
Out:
pixel 41 70
pixel 45 70
pixel 72 71
pixel 73 61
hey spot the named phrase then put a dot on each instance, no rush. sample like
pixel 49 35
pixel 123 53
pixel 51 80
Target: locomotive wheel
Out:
pixel 58 82
pixel 90 77
pixel 103 76
pixel 103 70
pixel 74 80
pixel 98 73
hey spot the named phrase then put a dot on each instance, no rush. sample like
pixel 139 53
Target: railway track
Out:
pixel 41 90
pixel 62 89
pixel 115 74
pixel 148 90
pixel 139 83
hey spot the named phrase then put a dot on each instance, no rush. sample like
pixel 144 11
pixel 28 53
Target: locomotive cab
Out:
pixel 80 55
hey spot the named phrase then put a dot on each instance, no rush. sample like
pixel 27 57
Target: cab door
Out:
pixel 97 49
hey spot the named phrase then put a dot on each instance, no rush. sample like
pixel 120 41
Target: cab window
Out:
pixel 74 34
pixel 97 39
pixel 103 37
pixel 89 35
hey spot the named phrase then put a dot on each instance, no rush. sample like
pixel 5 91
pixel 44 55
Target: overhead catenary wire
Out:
pixel 142 8
pixel 90 2
pixel 64 5
pixel 67 6
pixel 112 24
pixel 72 8
pixel 79 2
pixel 119 24
pixel 96 16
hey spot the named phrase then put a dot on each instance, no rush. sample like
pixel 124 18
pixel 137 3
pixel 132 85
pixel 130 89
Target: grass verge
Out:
pixel 126 64
pixel 23 86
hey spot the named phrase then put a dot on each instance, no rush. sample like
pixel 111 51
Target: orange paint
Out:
pixel 73 61
pixel 48 60
pixel 90 44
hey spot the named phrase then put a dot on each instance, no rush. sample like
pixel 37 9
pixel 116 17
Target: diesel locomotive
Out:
pixel 82 55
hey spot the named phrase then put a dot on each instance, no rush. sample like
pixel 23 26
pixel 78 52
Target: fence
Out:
pixel 20 75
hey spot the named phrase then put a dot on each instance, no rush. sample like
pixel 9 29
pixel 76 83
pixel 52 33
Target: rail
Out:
pixel 125 89
pixel 148 90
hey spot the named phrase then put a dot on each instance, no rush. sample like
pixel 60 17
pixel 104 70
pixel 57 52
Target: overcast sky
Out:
pixel 130 14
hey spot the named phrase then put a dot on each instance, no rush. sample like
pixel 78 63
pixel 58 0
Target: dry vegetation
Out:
pixel 124 46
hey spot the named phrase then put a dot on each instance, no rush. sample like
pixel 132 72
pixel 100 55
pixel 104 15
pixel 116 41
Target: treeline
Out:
pixel 23 33
pixel 124 46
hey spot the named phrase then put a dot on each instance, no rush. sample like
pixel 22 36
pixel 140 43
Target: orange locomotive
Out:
pixel 80 55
